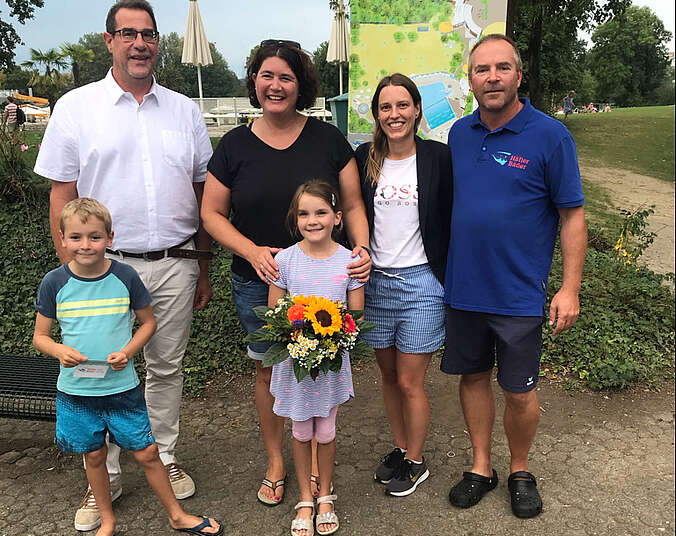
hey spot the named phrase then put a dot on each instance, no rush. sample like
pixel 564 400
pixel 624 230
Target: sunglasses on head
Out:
pixel 280 43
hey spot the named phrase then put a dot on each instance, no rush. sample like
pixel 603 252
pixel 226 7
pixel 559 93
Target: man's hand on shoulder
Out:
pixel 564 310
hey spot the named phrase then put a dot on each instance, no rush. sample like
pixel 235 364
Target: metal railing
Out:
pixel 234 110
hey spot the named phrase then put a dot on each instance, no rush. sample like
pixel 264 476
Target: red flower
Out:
pixel 349 325
pixel 296 312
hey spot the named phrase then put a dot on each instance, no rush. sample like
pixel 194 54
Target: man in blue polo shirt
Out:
pixel 516 176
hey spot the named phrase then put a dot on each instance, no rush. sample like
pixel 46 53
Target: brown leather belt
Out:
pixel 175 251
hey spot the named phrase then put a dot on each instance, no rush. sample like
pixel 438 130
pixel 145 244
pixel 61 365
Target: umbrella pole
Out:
pixel 199 84
pixel 340 77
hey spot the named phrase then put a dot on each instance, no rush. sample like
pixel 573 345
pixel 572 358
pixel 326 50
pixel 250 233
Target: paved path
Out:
pixel 605 464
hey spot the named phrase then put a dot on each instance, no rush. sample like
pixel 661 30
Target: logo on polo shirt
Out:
pixel 501 157
pixel 512 160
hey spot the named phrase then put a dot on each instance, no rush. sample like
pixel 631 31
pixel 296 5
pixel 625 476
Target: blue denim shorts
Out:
pixel 407 305
pixel 247 294
pixel 82 421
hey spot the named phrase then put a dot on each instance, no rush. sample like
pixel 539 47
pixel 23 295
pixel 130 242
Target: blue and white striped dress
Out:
pixel 300 274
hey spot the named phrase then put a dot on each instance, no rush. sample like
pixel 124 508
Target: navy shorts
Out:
pixel 474 340
pixel 247 294
pixel 82 421
pixel 407 305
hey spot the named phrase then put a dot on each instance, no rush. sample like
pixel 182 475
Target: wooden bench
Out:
pixel 28 387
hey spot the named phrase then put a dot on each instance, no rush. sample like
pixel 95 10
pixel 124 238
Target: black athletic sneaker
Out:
pixel 407 478
pixel 388 466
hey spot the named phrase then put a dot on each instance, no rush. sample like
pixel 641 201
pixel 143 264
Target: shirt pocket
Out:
pixel 177 149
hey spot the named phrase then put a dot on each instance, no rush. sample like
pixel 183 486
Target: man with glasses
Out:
pixel 142 150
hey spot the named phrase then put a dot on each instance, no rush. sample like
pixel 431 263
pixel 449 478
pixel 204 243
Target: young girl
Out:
pixel 317 265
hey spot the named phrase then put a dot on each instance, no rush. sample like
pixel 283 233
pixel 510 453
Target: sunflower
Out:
pixel 324 315
pixel 301 300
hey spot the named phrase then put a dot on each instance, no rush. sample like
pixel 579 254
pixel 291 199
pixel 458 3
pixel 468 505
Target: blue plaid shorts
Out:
pixel 407 304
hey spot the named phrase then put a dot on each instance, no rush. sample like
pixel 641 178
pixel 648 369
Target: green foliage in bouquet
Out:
pixel 313 331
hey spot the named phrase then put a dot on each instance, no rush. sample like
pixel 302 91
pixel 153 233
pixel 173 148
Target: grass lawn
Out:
pixel 636 139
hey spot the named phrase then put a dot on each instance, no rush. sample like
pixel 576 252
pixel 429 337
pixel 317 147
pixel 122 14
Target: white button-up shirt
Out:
pixel 139 160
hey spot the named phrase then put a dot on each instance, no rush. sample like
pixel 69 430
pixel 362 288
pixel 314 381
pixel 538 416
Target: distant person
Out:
pixel 591 108
pixel 148 166
pixel 98 389
pixel 606 108
pixel 9 117
pixel 568 104
pixel 515 175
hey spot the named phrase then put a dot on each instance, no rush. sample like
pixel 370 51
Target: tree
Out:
pixel 100 64
pixel 9 39
pixel 329 83
pixel 52 83
pixel 17 78
pixel 546 33
pixel 78 55
pixel 629 58
pixel 217 79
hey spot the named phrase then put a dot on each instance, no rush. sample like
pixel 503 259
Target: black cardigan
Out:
pixel 435 198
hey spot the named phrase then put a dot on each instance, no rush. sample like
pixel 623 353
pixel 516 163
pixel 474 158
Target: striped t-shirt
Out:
pixel 95 319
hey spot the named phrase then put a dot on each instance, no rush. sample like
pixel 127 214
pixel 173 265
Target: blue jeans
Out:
pixel 248 294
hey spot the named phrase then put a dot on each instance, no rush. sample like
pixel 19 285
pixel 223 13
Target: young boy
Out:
pixel 92 297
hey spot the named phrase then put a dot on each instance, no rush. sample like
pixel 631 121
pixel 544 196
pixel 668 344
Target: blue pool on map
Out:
pixel 436 107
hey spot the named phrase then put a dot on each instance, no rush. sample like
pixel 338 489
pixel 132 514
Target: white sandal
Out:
pixel 327 517
pixel 303 524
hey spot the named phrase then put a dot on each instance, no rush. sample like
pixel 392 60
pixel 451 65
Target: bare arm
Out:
pixel 355 220
pixel 148 324
pixel 215 212
pixel 355 299
pixel 565 306
pixel 275 293
pixel 203 292
pixel 61 193
pixel 43 342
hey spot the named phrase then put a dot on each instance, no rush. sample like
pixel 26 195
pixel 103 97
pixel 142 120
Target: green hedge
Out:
pixel 625 334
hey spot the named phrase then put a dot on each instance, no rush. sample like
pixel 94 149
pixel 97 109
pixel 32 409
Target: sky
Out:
pixel 235 26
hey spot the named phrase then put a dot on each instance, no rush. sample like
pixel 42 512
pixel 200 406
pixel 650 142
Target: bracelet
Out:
pixel 367 250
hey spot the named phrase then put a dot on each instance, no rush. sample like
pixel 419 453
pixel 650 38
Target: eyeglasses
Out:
pixel 280 43
pixel 129 34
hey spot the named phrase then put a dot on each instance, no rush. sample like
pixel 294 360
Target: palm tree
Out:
pixel 52 60
pixel 52 82
pixel 78 54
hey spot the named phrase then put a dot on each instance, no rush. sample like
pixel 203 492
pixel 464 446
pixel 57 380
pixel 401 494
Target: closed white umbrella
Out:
pixel 339 44
pixel 195 44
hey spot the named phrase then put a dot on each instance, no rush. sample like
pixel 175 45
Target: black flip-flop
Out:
pixel 471 489
pixel 197 529
pixel 523 491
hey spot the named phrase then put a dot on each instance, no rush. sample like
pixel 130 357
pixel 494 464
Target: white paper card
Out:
pixel 89 370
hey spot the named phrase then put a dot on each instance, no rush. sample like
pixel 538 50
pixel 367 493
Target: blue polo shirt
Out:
pixel 508 185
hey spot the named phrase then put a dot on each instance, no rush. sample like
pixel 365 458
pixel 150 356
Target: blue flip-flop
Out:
pixel 197 529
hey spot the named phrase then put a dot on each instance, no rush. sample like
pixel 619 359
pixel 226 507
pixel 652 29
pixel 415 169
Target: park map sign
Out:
pixel 427 40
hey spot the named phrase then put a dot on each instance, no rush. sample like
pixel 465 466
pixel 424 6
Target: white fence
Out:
pixel 237 109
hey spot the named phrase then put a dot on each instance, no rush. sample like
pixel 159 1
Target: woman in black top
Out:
pixel 253 173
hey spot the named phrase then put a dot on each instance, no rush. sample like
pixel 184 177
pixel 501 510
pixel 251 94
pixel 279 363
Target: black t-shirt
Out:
pixel 262 180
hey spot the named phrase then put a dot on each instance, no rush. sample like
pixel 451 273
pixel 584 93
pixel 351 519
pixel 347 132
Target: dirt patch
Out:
pixel 631 190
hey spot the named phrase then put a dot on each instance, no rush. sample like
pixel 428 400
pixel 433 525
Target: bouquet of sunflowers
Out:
pixel 314 331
